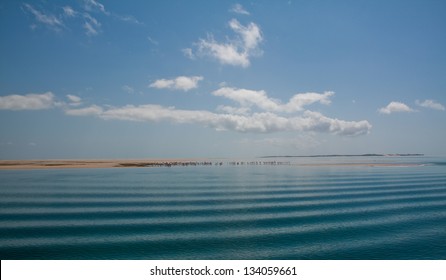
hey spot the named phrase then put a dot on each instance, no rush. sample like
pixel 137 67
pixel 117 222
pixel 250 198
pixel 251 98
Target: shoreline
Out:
pixel 141 163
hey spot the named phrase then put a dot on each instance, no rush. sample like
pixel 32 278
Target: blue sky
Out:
pixel 153 79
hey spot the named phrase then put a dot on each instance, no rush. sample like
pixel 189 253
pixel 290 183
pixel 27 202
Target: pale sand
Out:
pixel 62 164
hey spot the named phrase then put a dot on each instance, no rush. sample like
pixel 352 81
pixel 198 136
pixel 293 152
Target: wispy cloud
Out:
pixel 179 83
pixel 247 98
pixel 47 19
pixel 91 25
pixel 88 10
pixel 431 104
pixel 152 41
pixel 69 12
pixel 188 53
pixel 238 9
pixel 128 89
pixel 395 107
pixel 30 101
pixel 95 6
pixel 92 5
pixel 236 51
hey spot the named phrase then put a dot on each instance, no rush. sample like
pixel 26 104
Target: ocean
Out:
pixel 309 208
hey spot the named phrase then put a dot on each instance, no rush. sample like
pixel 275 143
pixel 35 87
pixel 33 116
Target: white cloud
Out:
pixel 429 103
pixel 236 51
pixel 240 119
pixel 238 9
pixel 48 20
pixel 30 101
pixel 92 5
pixel 315 121
pixel 224 53
pixel 69 12
pixel 74 100
pixel 88 111
pixel 265 122
pixel 179 83
pixel 260 99
pixel 395 107
pixel 226 118
pixel 251 34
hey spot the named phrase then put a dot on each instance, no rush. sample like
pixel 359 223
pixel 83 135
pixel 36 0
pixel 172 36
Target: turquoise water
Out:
pixel 227 212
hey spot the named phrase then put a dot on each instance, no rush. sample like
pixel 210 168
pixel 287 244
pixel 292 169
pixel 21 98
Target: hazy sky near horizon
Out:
pixel 140 79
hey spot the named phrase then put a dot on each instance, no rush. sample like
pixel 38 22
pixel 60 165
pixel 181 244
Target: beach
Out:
pixel 71 163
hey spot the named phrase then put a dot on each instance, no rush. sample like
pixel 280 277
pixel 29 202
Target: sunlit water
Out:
pixel 228 212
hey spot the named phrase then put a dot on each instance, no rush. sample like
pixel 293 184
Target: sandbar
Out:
pixel 63 164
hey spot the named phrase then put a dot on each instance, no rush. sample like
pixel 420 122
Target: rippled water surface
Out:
pixel 226 212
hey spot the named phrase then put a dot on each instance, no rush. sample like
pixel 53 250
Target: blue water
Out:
pixel 227 212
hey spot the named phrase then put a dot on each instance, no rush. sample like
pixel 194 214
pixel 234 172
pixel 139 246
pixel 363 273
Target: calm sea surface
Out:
pixel 228 212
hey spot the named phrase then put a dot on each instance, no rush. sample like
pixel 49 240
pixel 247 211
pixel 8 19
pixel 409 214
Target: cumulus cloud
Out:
pixel 30 101
pixel 431 104
pixel 236 51
pixel 315 121
pixel 264 122
pixel 240 119
pixel 395 107
pixel 46 19
pixel 247 98
pixel 179 83
pixel 238 9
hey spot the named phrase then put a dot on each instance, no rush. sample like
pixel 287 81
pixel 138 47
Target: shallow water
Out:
pixel 228 212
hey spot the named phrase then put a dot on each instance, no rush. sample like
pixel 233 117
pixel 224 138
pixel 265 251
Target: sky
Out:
pixel 181 79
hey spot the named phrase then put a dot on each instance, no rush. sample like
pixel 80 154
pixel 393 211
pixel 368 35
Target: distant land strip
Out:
pixel 361 155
